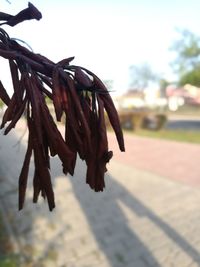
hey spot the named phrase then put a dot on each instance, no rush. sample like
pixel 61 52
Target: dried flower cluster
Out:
pixel 76 93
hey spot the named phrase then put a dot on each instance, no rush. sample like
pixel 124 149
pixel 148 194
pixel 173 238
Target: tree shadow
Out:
pixel 111 229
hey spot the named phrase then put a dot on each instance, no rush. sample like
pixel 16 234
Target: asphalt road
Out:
pixel 183 123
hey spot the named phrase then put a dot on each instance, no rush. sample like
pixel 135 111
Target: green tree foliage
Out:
pixel 192 77
pixel 141 76
pixel 187 62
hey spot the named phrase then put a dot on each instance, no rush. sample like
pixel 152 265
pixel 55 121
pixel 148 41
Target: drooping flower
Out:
pixel 79 98
pixel 31 12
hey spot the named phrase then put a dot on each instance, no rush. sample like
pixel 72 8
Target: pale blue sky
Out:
pixel 107 36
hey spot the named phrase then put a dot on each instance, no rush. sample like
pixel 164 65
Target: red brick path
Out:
pixel 170 159
pixel 174 160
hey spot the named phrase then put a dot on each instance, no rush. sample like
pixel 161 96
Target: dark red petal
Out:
pixel 3 94
pixel 26 14
pixel 65 62
pixel 16 117
pixel 82 78
pixel 10 111
pixel 24 174
pixel 15 81
pixel 57 96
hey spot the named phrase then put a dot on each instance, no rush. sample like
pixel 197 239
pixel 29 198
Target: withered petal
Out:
pixel 16 117
pixel 24 174
pixel 3 94
pixel 82 78
pixel 26 14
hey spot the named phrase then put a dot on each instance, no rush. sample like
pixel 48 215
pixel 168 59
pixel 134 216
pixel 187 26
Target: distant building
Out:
pixel 131 99
pixel 141 99
pixel 193 94
pixel 187 94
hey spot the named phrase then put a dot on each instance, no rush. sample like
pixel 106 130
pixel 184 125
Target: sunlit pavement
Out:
pixel 174 160
pixel 144 218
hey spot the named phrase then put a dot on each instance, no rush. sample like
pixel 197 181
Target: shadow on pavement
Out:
pixel 117 233
pixel 112 231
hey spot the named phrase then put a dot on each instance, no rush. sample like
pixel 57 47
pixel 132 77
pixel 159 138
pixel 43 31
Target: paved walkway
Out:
pixel 170 159
pixel 142 219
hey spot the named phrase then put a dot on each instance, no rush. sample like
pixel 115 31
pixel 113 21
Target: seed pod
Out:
pixel 16 117
pixel 75 91
pixel 3 94
pixel 34 97
pixel 96 162
pixel 64 62
pixel 41 167
pixel 112 113
pixel 57 97
pixel 24 174
pixel 56 140
pixel 26 14
pixel 46 80
pixel 36 186
pixel 82 78
pixel 109 106
pixel 5 16
pixel 10 111
pixel 16 82
pixel 8 54
pixel 79 112
pixel 73 130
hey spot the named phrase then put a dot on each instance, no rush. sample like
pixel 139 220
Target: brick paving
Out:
pixel 142 219
pixel 175 160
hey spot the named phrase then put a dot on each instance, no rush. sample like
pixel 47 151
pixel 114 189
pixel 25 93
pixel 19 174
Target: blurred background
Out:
pixel 148 55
